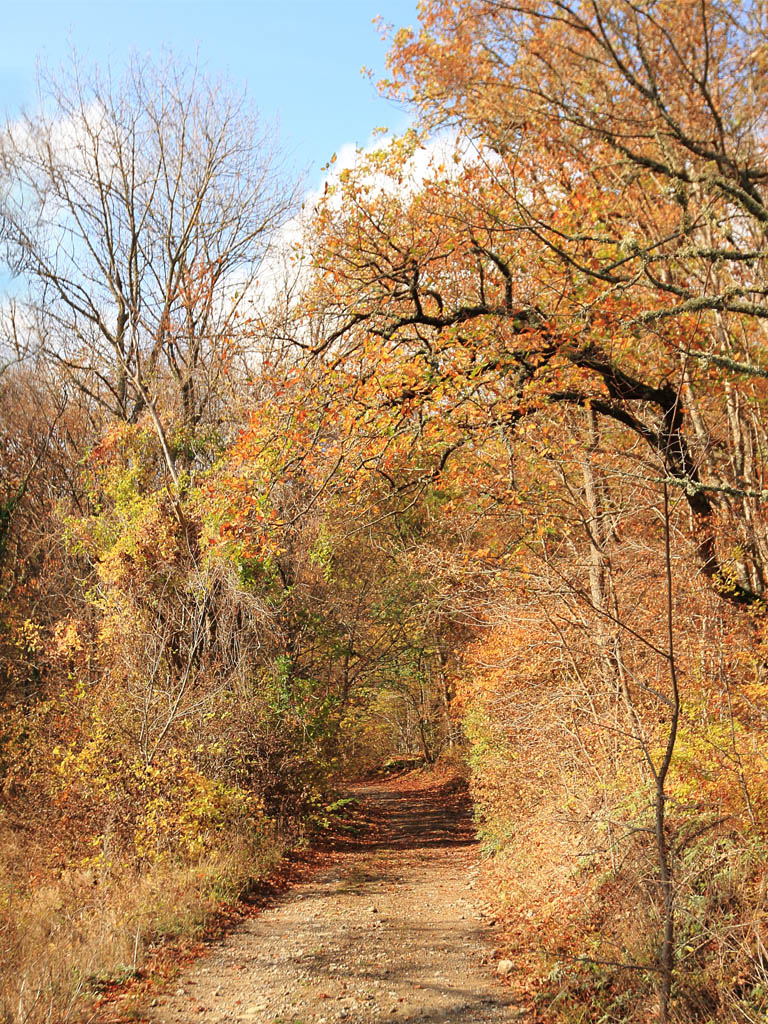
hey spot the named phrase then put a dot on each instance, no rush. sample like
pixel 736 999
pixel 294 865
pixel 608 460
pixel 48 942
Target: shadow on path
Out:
pixel 397 816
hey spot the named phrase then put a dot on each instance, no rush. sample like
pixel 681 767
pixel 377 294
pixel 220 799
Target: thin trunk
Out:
pixel 599 563
pixel 667 953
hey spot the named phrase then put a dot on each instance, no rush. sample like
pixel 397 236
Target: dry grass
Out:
pixel 64 935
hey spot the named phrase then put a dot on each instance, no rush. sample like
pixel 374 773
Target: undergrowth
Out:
pixel 65 935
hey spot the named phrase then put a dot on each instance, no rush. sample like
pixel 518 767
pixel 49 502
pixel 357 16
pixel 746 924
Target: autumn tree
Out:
pixel 630 140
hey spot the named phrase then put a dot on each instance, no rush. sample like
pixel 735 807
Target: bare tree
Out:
pixel 136 211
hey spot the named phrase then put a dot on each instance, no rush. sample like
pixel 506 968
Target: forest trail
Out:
pixel 388 931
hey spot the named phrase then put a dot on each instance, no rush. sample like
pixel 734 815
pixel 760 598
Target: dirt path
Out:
pixel 387 932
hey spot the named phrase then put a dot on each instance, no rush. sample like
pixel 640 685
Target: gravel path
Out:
pixel 388 932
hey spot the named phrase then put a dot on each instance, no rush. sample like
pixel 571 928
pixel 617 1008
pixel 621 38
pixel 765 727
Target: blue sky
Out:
pixel 301 59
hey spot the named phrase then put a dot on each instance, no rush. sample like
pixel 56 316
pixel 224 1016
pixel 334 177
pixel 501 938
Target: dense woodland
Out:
pixel 474 465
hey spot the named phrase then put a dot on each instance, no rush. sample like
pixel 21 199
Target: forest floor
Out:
pixel 388 929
